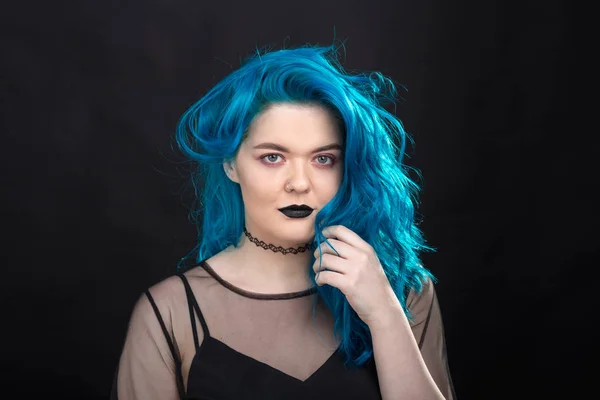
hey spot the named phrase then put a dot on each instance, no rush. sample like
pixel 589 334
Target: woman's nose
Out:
pixel 298 180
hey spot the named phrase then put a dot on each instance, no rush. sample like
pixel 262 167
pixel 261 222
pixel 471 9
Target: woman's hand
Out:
pixel 357 272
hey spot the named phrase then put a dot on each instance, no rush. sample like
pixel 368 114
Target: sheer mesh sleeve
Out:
pixel 147 368
pixel 428 330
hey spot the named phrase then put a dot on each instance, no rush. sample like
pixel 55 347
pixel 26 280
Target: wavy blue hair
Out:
pixel 376 199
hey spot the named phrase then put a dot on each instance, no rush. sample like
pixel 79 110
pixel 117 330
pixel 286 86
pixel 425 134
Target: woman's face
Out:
pixel 294 144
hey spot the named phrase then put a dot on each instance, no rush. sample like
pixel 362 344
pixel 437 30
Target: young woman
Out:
pixel 306 281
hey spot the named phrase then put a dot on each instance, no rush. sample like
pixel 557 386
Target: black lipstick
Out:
pixel 296 211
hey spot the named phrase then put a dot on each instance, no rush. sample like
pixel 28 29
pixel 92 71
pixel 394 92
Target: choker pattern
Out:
pixel 277 249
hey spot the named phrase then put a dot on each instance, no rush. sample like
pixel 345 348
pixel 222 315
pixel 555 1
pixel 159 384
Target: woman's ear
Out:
pixel 230 170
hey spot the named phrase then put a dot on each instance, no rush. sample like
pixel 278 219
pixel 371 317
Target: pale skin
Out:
pixel 354 268
pixel 262 172
pixel 301 132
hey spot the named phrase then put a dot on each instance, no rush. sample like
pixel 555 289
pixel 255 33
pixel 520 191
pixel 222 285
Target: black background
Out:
pixel 94 212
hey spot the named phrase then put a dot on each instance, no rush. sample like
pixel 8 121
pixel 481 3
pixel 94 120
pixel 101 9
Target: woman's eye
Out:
pixel 271 158
pixel 274 159
pixel 323 160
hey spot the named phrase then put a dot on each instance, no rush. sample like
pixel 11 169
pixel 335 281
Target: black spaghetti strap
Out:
pixel 192 302
pixel 427 321
pixel 180 386
pixel 191 310
pixel 406 292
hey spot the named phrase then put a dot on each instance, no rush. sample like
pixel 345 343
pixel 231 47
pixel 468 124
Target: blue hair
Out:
pixel 376 199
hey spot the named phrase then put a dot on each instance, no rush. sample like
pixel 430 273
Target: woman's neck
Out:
pixel 269 271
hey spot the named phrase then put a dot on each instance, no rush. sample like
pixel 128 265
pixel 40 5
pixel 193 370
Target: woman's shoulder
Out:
pixel 160 299
pixel 161 314
pixel 167 299
pixel 418 300
pixel 172 290
pixel 166 289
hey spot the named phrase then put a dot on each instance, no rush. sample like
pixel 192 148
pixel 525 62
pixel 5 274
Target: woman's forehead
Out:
pixel 295 124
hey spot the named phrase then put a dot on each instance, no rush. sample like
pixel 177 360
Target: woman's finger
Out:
pixel 329 262
pixel 346 235
pixel 331 278
pixel 340 249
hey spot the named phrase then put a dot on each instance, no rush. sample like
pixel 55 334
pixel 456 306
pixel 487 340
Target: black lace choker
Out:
pixel 277 249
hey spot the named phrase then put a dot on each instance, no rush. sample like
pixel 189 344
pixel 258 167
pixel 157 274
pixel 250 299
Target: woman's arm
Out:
pixel 411 358
pixel 147 369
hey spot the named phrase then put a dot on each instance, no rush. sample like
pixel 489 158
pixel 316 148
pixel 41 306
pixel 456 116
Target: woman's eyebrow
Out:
pixel 274 146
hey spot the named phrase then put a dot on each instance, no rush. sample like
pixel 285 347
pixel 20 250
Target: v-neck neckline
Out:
pixel 268 367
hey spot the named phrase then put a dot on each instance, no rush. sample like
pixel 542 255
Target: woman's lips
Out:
pixel 296 213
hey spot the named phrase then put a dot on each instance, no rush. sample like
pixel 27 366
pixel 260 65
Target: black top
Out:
pixel 263 348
